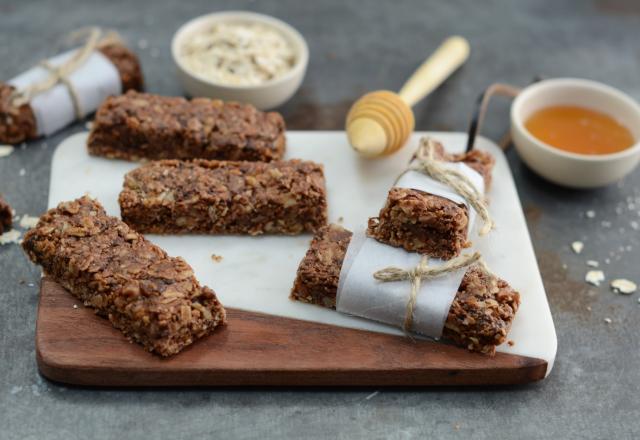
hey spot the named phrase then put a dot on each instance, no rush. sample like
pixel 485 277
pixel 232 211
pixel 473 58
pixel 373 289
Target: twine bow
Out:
pixel 419 273
pixel 425 162
pixel 60 74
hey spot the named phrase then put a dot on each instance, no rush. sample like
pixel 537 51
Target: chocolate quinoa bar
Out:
pixel 480 316
pixel 421 222
pixel 6 216
pixel 137 125
pixel 18 124
pixel 152 298
pixel 222 197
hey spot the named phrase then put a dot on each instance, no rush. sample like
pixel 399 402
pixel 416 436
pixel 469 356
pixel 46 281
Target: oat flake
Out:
pixel 6 150
pixel 238 53
pixel 28 222
pixel 577 246
pixel 623 286
pixel 594 277
pixel 11 236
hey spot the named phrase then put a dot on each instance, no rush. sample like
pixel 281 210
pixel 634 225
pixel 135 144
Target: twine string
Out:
pixel 426 163
pixel 421 272
pixel 61 74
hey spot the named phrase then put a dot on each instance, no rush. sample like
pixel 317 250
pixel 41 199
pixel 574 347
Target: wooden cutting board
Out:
pixel 75 346
pixel 271 340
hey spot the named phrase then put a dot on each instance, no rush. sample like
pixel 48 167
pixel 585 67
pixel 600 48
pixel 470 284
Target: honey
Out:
pixel 579 130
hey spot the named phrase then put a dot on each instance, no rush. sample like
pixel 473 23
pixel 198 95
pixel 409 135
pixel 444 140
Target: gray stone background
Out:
pixel 356 47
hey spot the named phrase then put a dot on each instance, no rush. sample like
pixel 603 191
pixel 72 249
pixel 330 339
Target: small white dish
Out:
pixel 264 96
pixel 572 169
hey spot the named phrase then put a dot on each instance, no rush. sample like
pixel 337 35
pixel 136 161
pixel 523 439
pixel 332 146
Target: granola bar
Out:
pixel 421 222
pixel 479 318
pixel 152 298
pixel 137 125
pixel 6 216
pixel 222 197
pixel 18 123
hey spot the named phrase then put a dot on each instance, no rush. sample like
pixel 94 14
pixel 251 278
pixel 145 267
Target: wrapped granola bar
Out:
pixel 66 87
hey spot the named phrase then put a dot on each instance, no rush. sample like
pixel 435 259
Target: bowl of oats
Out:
pixel 240 56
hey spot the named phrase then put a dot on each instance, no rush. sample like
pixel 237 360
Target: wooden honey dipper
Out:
pixel 380 122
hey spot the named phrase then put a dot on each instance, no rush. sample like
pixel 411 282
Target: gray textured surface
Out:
pixel 355 47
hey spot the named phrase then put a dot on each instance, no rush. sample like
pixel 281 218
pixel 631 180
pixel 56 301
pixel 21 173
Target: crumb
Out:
pixel 88 125
pixel 6 150
pixel 31 285
pixel 634 225
pixel 564 266
pixel 607 320
pixel 372 395
pixel 12 236
pixel 605 224
pixel 607 261
pixel 623 286
pixel 75 306
pixel 511 342
pixel 15 390
pixel 143 44
pixel 592 263
pixel 28 222
pixel 22 172
pixel 577 246
pixel 589 308
pixel 216 258
pixel 456 426
pixel 340 219
pixel 590 213
pixel 594 277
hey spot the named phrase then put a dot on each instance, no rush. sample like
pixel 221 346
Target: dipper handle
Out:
pixel 451 54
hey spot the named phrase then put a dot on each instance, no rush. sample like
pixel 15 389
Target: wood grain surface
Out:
pixel 75 346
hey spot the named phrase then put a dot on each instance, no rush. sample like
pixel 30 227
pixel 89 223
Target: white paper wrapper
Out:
pixel 94 81
pixel 362 295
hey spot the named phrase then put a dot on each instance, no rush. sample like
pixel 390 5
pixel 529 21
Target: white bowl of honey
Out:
pixel 576 132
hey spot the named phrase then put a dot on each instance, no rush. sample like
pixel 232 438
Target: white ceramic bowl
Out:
pixel 264 96
pixel 571 169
